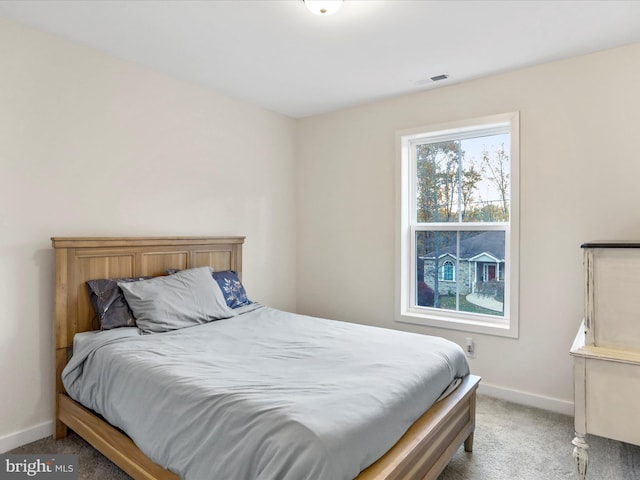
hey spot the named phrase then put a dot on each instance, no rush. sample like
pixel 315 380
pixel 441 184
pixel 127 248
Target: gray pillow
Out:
pixel 184 299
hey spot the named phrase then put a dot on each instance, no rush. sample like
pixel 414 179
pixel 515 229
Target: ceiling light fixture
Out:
pixel 323 7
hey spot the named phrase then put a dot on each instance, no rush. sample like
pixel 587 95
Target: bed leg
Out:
pixel 60 430
pixel 580 456
pixel 468 443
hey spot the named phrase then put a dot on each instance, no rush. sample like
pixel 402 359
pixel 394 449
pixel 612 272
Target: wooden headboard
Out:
pixel 87 258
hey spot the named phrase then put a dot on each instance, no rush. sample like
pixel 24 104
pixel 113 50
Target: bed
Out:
pixel 422 452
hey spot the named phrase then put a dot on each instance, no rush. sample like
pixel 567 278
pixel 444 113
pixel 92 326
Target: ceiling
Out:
pixel 276 54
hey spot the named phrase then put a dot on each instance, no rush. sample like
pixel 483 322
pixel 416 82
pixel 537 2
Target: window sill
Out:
pixel 501 328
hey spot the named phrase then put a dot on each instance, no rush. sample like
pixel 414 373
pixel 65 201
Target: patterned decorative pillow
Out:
pixel 232 288
pixel 109 304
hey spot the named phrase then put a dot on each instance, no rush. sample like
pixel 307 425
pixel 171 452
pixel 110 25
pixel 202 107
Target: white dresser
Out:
pixel 606 350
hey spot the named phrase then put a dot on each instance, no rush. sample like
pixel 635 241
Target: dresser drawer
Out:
pixel 613 400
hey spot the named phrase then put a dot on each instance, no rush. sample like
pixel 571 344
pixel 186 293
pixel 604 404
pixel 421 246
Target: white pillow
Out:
pixel 186 298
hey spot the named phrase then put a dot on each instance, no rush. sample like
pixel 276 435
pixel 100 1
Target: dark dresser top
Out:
pixel 612 244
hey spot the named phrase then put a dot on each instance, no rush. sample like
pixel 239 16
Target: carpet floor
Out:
pixel 512 442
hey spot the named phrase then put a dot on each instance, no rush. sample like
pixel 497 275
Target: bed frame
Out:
pixel 422 453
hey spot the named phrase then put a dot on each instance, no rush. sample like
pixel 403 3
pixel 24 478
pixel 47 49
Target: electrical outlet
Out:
pixel 470 349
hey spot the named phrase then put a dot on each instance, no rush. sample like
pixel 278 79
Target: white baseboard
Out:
pixel 28 435
pixel 528 399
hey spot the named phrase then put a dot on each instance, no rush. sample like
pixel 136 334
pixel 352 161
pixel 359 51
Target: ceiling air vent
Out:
pixel 437 78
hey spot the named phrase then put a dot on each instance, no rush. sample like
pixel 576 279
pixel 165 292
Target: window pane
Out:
pixel 486 177
pixel 461 271
pixel 437 166
pixel 463 181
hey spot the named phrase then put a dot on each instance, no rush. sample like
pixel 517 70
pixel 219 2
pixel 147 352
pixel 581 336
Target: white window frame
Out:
pixel 406 309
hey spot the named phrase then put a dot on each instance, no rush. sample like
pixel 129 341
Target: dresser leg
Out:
pixel 580 456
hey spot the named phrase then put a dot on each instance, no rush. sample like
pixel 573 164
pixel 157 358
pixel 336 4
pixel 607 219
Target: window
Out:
pixel 447 272
pixel 458 255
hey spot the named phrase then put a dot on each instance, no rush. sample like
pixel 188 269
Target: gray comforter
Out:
pixel 265 395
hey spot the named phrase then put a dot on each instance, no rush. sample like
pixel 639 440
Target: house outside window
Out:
pixel 458 228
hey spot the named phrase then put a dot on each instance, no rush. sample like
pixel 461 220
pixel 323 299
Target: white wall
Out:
pixel 580 165
pixel 91 145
